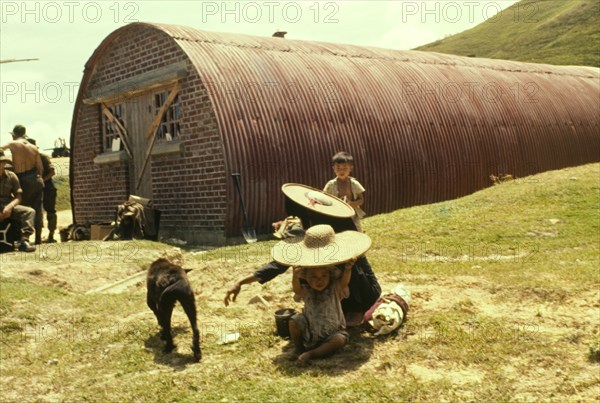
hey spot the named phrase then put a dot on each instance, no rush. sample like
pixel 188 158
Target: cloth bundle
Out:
pixel 290 226
pixel 130 220
pixel 389 311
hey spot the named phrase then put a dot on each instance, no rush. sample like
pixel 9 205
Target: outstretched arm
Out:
pixel 233 292
pixel 266 273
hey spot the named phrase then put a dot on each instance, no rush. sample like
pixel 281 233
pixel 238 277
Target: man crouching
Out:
pixel 10 204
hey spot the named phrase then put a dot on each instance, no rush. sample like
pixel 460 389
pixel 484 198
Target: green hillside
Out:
pixel 538 31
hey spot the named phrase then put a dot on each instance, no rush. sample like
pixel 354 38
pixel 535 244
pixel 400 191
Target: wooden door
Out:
pixel 140 114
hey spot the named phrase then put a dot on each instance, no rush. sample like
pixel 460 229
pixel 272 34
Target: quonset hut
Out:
pixel 170 112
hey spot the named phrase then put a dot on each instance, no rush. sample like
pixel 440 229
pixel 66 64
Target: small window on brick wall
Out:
pixel 109 131
pixel 168 129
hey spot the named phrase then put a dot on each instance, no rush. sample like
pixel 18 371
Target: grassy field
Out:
pixel 547 31
pixel 506 300
pixel 63 195
pixel 61 181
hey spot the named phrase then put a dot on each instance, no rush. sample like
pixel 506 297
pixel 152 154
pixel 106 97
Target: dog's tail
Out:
pixel 178 291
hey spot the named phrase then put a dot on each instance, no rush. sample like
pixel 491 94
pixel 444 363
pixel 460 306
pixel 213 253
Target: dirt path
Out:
pixel 65 218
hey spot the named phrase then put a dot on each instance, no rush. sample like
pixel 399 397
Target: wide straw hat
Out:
pixel 321 246
pixel 316 200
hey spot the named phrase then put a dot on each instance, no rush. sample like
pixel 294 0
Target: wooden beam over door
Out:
pixel 151 133
pixel 131 87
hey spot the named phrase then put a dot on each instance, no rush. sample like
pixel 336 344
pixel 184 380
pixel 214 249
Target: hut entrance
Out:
pixel 140 114
pixel 152 115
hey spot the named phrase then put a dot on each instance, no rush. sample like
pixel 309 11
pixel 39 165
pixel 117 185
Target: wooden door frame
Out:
pixel 151 133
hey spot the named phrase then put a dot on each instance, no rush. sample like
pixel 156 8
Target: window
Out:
pixel 109 130
pixel 169 126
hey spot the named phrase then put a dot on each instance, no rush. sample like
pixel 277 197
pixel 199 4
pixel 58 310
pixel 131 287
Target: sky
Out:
pixel 63 35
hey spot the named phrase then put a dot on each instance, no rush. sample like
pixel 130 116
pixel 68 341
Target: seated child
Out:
pixel 320 330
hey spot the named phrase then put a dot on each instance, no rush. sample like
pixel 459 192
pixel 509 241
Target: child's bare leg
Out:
pixel 325 349
pixel 296 338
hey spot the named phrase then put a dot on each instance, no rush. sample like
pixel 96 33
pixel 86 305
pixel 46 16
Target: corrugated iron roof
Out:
pixel 422 127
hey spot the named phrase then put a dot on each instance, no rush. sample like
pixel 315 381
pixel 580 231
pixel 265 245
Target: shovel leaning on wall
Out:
pixel 247 231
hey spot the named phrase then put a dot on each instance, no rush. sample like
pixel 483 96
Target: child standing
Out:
pixel 320 330
pixel 346 187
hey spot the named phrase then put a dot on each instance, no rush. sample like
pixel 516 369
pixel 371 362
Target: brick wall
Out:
pixel 188 187
pixel 97 190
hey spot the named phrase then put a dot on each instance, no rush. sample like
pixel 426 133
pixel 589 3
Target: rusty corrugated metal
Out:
pixel 284 107
pixel 413 141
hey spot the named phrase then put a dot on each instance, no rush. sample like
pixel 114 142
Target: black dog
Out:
pixel 167 283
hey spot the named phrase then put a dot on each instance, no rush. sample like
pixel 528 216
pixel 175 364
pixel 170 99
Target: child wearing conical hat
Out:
pixel 320 330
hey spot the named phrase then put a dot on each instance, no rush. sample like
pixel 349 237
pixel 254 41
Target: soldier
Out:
pixel 27 164
pixel 10 204
pixel 49 199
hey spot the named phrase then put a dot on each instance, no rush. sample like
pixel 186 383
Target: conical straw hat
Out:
pixel 321 246
pixel 317 200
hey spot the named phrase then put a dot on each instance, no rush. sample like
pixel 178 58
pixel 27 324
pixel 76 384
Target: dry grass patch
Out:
pixel 481 326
